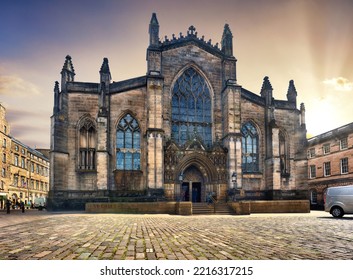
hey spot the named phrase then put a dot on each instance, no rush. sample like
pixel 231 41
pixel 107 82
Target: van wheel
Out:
pixel 337 212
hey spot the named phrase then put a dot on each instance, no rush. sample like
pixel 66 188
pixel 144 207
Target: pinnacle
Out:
pixel 266 85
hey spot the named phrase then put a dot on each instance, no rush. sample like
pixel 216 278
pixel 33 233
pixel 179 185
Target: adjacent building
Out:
pixel 30 174
pixel 330 162
pixel 24 171
pixel 186 129
pixel 5 146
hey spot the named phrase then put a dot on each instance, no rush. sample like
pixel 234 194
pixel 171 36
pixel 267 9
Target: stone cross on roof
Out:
pixel 192 29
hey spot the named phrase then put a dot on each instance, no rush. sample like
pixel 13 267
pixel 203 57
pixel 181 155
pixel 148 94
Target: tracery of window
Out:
pixel 283 154
pixel 191 108
pixel 87 147
pixel 250 148
pixel 128 150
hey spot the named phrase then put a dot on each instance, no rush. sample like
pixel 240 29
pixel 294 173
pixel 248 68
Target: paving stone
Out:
pixel 156 237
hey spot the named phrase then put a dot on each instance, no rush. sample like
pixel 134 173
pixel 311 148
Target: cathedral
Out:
pixel 186 130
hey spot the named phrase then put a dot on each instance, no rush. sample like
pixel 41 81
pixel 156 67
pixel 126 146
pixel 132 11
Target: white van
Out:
pixel 339 201
pixel 39 203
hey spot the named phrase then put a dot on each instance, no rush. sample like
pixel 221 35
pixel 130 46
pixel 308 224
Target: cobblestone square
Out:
pixel 39 235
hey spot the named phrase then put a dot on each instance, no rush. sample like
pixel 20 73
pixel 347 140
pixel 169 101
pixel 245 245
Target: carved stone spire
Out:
pixel 292 93
pixel 67 73
pixel 154 30
pixel 266 90
pixel 266 85
pixel 227 41
pixel 104 72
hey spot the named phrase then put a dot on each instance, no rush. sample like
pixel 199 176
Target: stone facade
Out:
pixel 24 171
pixel 184 130
pixel 29 174
pixel 329 162
pixel 5 146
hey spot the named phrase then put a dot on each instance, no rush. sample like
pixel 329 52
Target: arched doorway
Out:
pixel 193 185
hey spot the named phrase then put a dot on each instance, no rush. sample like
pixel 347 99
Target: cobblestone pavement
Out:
pixel 40 235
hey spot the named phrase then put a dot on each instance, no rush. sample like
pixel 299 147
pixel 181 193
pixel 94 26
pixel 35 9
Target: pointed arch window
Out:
pixel 128 148
pixel 191 108
pixel 250 148
pixel 87 146
pixel 283 154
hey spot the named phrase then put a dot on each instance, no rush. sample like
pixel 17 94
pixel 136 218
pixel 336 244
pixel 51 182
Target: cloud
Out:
pixel 339 84
pixel 15 115
pixel 16 86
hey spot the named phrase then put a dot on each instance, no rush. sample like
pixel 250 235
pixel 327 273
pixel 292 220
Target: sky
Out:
pixel 309 41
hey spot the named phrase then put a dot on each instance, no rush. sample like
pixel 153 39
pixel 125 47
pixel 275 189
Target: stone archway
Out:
pixel 193 185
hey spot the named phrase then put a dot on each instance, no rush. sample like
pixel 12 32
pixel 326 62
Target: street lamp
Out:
pixel 234 181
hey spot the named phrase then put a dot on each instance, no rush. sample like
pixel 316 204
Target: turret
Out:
pixel 154 31
pixel 67 73
pixel 292 93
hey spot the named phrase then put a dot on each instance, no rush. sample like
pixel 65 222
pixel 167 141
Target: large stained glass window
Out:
pixel 191 108
pixel 128 149
pixel 250 148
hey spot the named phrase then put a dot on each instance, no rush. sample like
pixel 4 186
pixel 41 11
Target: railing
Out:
pixel 213 201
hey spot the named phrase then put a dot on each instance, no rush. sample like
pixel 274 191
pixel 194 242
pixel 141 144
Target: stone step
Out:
pixel 204 209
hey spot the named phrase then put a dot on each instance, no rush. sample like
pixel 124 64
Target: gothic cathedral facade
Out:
pixel 184 130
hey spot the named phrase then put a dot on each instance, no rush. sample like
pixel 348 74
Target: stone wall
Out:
pixel 137 208
pixel 280 206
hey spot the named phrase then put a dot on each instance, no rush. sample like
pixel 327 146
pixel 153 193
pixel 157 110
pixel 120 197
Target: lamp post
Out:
pixel 181 179
pixel 234 181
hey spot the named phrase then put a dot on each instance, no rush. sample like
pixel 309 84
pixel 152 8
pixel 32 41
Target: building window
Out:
pixel 327 169
pixel 191 108
pixel 312 171
pixel 3 172
pixel 23 162
pixel 16 160
pixel 4 144
pixel 344 143
pixel 313 197
pixel 326 149
pixel 128 151
pixel 4 158
pixel 23 181
pixel 16 148
pixel 250 144
pixel 5 129
pixel 311 153
pixel 15 180
pixel 344 165
pixel 87 152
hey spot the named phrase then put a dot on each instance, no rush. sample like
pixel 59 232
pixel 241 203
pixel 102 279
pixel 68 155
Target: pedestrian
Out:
pixel 22 205
pixel 8 205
